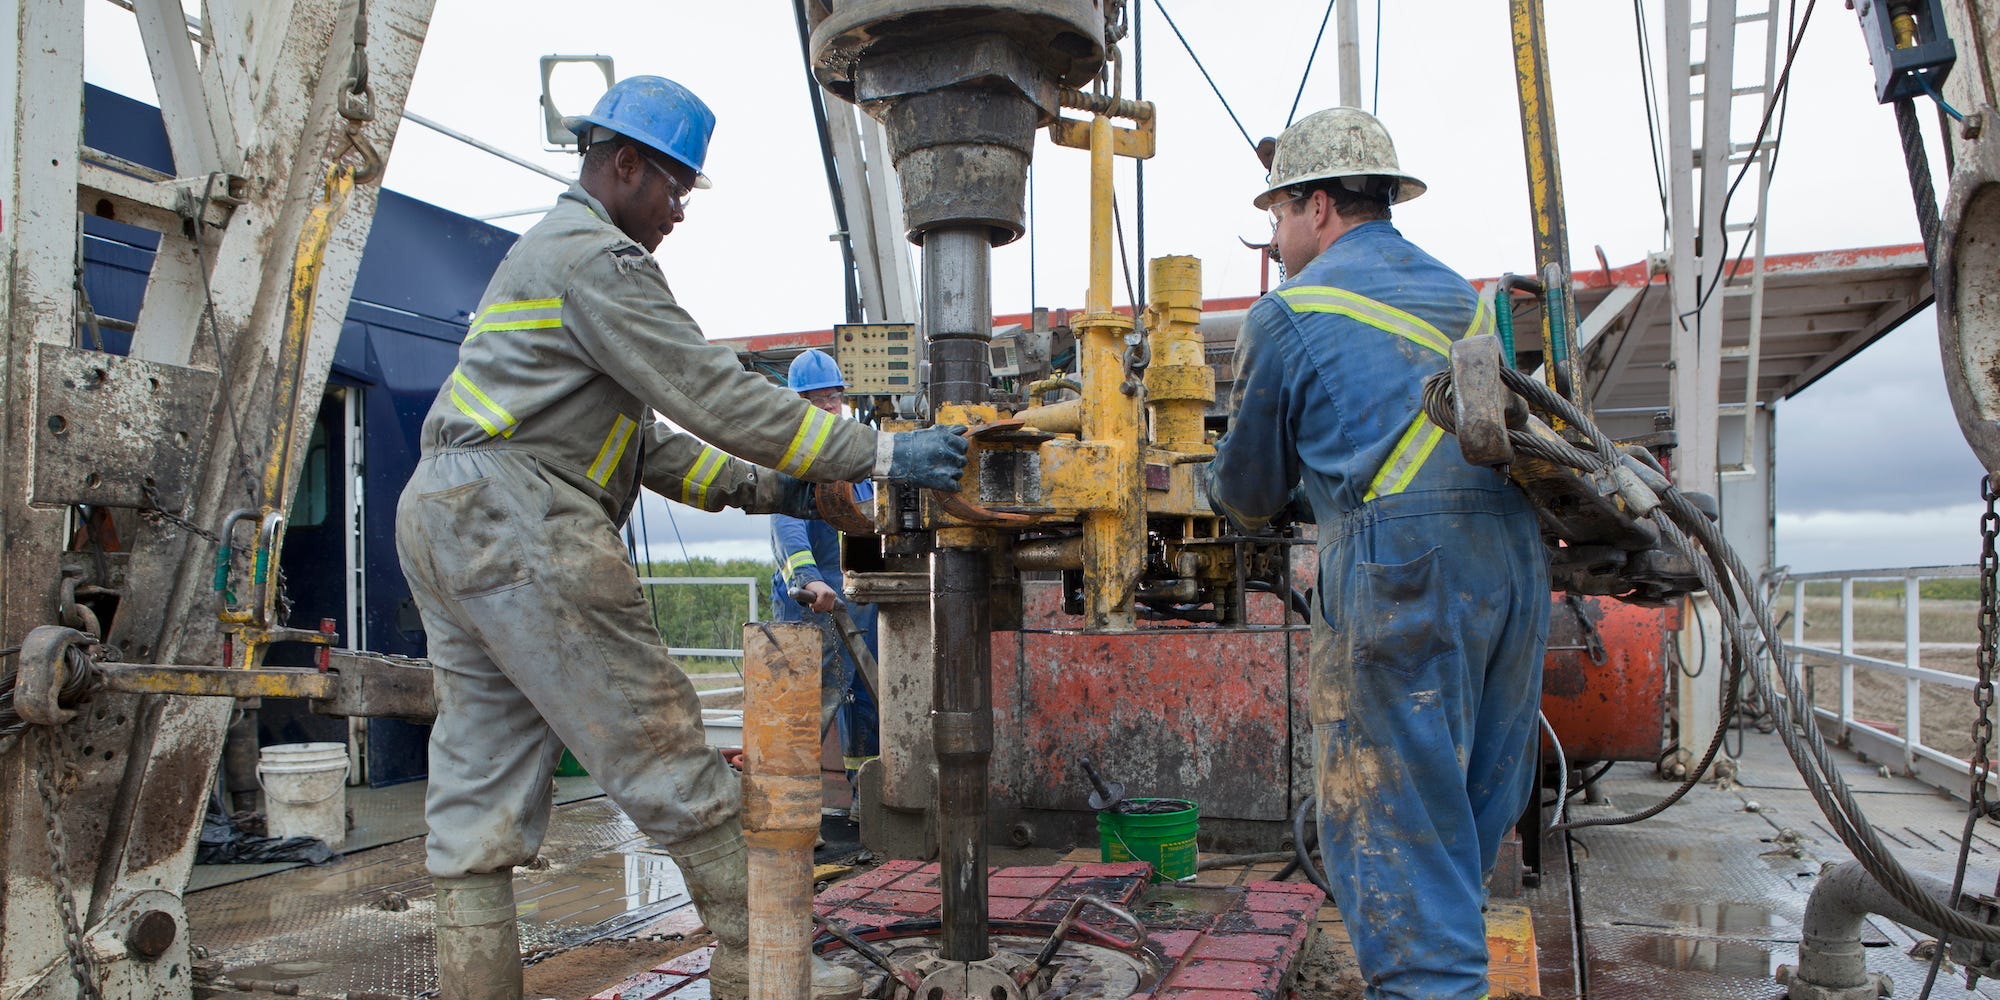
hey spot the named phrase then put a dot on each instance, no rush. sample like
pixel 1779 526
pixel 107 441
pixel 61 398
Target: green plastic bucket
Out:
pixel 1163 839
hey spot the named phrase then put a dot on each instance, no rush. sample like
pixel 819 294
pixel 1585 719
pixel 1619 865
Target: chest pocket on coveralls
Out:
pixel 477 544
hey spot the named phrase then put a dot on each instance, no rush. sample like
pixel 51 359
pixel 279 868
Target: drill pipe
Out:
pixel 958 314
pixel 962 720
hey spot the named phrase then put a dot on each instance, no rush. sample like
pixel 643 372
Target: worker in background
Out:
pixel 808 557
pixel 1433 593
pixel 533 454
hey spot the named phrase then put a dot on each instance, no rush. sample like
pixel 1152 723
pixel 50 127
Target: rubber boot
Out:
pixel 717 870
pixel 478 945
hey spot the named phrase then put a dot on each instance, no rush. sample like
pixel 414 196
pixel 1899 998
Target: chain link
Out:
pixel 1989 635
pixel 48 742
pixel 160 516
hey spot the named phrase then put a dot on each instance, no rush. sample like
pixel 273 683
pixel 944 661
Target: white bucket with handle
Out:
pixel 305 790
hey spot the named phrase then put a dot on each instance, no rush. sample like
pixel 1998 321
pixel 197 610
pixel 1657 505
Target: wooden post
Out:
pixel 781 797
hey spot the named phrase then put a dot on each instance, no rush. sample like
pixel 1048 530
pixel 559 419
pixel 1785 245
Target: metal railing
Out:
pixel 1938 768
pixel 750 584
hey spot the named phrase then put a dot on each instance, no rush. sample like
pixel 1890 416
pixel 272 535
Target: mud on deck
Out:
pixel 1702 902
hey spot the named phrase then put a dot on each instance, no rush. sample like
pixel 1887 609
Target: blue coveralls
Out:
pixel 1433 599
pixel 808 551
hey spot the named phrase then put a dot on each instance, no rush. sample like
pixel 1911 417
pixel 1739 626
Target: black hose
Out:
pixel 1304 850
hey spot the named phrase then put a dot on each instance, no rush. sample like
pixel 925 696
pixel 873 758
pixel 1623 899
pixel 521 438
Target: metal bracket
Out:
pixel 1480 400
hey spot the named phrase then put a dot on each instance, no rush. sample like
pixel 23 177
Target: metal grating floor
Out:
pixel 1704 901
pixel 326 930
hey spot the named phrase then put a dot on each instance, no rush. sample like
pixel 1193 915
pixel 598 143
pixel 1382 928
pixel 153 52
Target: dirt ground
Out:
pixel 1879 699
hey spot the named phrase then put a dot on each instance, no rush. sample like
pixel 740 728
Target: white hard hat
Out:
pixel 1337 142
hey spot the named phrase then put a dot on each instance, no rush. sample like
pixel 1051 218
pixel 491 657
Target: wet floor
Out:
pixel 363 923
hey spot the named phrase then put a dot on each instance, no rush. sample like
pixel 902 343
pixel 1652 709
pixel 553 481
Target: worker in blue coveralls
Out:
pixel 1433 593
pixel 808 557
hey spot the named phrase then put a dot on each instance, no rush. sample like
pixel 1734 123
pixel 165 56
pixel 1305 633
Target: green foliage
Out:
pixel 707 616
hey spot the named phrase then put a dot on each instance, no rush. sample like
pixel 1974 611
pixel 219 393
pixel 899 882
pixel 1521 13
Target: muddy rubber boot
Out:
pixel 717 871
pixel 478 945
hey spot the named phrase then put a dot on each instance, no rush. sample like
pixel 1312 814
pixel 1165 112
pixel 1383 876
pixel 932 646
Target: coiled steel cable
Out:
pixel 1721 571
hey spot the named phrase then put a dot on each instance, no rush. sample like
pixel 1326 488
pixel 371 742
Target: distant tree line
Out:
pixel 706 616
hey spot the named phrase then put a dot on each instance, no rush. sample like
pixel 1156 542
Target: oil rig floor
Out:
pixel 1701 902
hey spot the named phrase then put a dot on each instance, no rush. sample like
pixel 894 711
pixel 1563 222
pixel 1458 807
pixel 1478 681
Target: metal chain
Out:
pixel 159 515
pixel 81 965
pixel 1989 634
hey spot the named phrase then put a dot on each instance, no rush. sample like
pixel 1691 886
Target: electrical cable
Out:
pixel 1375 104
pixel 1204 75
pixel 1310 57
pixel 850 276
pixel 1763 129
pixel 1650 98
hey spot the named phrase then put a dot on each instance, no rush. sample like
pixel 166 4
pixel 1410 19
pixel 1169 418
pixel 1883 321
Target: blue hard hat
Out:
pixel 658 112
pixel 813 369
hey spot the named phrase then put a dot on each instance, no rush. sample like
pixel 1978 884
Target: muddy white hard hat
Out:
pixel 1335 143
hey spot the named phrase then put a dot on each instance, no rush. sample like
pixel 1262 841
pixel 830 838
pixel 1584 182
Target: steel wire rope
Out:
pixel 1722 571
pixel 1204 75
pixel 1314 55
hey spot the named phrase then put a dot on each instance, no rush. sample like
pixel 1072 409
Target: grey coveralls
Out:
pixel 533 454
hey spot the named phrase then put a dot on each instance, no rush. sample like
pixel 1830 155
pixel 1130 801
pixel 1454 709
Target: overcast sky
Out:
pixel 1872 470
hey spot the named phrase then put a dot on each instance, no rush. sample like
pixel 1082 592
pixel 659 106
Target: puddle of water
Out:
pixel 1729 958
pixel 1733 919
pixel 598 889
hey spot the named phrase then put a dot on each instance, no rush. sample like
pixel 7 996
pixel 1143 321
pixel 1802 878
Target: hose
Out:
pixel 1686 530
pixel 1303 851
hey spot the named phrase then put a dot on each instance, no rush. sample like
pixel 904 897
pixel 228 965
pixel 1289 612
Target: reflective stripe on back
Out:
pixel 520 314
pixel 612 450
pixel 1407 459
pixel 1388 318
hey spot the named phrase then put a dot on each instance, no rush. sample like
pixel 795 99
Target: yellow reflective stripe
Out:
pixel 477 417
pixel 854 763
pixel 814 428
pixel 1482 319
pixel 797 561
pixel 502 422
pixel 611 450
pixel 1412 450
pixel 694 486
pixel 490 317
pixel 1387 318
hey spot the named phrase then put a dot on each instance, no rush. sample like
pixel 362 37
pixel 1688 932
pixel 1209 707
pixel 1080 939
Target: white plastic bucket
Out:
pixel 305 790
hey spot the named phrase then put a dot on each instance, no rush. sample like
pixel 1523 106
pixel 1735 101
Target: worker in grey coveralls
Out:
pixel 533 454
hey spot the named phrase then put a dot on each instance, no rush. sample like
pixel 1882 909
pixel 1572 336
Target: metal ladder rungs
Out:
pixel 1736 353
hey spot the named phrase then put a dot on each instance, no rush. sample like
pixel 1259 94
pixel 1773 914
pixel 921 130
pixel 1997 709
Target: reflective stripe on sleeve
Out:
pixel 1409 455
pixel 694 485
pixel 1388 318
pixel 811 437
pixel 798 561
pixel 520 314
pixel 612 450
pixel 489 415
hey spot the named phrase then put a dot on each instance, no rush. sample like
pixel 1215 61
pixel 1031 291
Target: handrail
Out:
pixel 1938 768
